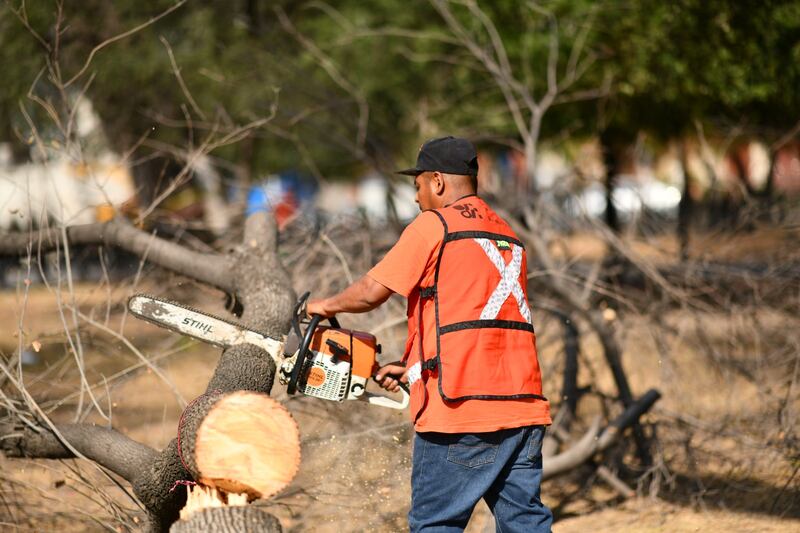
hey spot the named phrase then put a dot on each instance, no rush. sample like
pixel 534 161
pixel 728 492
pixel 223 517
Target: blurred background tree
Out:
pixel 358 84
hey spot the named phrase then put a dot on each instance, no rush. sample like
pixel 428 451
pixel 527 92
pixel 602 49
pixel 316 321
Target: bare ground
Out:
pixel 722 462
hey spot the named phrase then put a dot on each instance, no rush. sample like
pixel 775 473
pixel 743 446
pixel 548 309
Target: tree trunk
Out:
pixel 685 206
pixel 611 147
pixel 228 519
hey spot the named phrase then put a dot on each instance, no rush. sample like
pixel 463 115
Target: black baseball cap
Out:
pixel 451 155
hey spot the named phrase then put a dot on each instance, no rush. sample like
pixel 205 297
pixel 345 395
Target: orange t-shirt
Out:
pixel 411 263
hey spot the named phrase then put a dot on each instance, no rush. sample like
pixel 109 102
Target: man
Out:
pixel 470 358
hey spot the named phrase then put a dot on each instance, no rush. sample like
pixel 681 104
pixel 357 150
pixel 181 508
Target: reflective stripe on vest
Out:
pixel 414 373
pixel 509 281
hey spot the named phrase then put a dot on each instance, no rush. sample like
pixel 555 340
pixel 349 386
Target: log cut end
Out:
pixel 209 511
pixel 199 498
pixel 248 443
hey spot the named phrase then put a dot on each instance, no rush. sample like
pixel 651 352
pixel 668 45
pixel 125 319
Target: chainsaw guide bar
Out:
pixel 337 368
pixel 200 325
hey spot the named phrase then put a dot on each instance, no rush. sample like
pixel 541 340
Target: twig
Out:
pixel 157 371
pixel 616 483
pixel 340 256
pixel 149 22
pixel 177 72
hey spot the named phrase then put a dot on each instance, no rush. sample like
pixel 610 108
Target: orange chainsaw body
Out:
pixel 362 348
pixel 342 360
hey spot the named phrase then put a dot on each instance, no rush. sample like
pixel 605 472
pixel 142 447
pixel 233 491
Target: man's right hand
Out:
pixel 318 307
pixel 391 375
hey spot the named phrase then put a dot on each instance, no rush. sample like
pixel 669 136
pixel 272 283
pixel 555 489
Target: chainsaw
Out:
pixel 323 361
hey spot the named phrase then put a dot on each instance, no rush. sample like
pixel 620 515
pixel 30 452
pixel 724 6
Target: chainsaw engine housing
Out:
pixel 340 363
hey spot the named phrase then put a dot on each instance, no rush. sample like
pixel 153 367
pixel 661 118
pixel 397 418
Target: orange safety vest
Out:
pixel 485 342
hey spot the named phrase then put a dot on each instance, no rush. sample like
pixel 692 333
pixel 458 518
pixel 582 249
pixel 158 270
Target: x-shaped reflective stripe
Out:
pixel 509 281
pixel 414 373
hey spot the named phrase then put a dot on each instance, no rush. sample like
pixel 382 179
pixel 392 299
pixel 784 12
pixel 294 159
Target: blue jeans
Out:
pixel 451 472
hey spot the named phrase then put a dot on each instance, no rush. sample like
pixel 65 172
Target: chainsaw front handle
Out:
pixel 303 352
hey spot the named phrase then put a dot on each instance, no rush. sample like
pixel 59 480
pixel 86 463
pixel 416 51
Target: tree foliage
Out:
pixel 357 81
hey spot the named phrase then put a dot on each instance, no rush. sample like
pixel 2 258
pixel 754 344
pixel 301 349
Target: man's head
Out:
pixel 446 170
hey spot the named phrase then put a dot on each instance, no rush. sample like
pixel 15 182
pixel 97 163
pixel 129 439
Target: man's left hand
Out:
pixel 391 375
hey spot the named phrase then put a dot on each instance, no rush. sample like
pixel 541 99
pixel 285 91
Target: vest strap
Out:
pixel 460 235
pixel 415 371
pixel 478 324
pixel 431 364
pixel 427 292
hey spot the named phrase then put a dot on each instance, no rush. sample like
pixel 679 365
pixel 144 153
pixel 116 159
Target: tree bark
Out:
pixel 685 206
pixel 107 447
pixel 238 519
pixel 610 145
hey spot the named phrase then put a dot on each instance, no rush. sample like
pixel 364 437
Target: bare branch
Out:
pixel 144 361
pixel 334 73
pixel 505 84
pixel 177 71
pixel 208 268
pixel 107 447
pixel 339 256
pixel 149 22
pixel 785 138
pixel 22 15
pixel 592 443
pixel 552 55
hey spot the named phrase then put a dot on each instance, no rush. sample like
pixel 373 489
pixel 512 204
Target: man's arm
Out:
pixel 364 295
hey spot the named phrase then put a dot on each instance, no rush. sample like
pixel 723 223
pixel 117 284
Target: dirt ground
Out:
pixel 719 465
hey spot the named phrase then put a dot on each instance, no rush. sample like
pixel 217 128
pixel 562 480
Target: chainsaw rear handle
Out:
pixel 308 336
pixel 403 386
pixel 385 401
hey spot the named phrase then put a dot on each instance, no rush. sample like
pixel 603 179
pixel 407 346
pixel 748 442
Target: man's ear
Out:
pixel 437 183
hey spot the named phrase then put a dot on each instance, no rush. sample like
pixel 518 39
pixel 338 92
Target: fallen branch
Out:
pixel 592 442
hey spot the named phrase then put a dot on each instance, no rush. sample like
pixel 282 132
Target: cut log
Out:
pixel 243 442
pixel 208 511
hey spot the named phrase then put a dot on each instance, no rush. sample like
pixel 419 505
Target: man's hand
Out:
pixel 317 307
pixel 390 376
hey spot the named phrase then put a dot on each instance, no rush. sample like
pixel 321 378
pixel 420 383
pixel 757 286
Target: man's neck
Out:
pixel 455 196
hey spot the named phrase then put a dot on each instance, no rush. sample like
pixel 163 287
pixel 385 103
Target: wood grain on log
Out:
pixel 244 442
